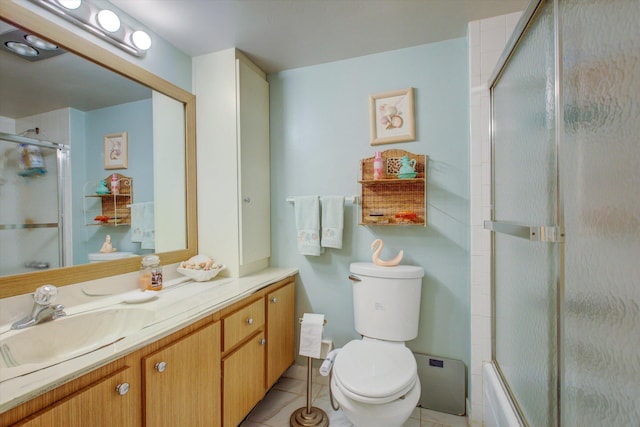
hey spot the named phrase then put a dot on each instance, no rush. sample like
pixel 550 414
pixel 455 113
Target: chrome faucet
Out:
pixel 42 310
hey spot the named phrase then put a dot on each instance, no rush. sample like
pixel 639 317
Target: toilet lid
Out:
pixel 374 369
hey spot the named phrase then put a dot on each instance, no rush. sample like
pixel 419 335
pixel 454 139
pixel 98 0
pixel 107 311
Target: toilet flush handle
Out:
pixel 354 278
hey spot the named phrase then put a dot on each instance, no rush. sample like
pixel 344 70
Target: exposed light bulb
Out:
pixel 141 40
pixel 108 20
pixel 21 49
pixel 70 4
pixel 40 43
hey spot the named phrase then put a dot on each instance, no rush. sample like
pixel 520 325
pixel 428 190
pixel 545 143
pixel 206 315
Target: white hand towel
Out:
pixel 137 221
pixel 311 335
pixel 332 221
pixel 307 211
pixel 149 227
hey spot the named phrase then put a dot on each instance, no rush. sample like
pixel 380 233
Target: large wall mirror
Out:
pixel 92 101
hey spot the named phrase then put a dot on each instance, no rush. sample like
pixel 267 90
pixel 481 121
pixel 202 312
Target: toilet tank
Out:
pixel 386 300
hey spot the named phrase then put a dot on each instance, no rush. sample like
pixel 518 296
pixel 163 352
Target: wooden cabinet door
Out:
pixel 243 380
pixel 281 331
pixel 253 167
pixel 100 404
pixel 182 381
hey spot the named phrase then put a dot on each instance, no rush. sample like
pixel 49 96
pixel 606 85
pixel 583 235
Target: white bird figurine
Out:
pixel 376 255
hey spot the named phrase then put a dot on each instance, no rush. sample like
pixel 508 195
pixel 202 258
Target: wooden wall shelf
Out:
pixel 392 201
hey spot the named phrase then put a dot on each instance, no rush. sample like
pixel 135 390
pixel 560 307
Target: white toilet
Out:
pixel 375 379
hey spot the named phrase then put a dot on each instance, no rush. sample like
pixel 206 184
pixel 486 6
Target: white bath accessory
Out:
pixel 332 221
pixel 375 379
pixel 378 245
pixel 307 211
pixel 311 340
pixel 325 368
pixel 311 334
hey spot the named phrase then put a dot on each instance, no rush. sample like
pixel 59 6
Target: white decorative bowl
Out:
pixel 201 275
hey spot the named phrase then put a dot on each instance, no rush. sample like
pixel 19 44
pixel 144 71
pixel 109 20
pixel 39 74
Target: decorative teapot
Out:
pixel 407 168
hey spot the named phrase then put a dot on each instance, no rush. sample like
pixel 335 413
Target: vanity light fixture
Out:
pixel 100 22
pixel 70 4
pixel 108 20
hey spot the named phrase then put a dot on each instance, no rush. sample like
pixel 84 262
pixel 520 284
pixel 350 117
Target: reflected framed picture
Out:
pixel 392 117
pixel 115 151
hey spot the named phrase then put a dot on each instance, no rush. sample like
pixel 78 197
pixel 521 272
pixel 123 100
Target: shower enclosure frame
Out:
pixel 62 162
pixel 540 233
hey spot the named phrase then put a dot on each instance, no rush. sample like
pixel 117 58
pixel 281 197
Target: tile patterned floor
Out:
pixel 290 393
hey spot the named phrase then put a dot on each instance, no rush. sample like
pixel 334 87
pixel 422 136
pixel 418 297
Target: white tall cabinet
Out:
pixel 232 127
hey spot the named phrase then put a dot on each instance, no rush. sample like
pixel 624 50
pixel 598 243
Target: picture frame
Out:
pixel 392 117
pixel 116 149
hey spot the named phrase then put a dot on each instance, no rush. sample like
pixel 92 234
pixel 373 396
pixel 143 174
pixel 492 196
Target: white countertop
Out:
pixel 176 306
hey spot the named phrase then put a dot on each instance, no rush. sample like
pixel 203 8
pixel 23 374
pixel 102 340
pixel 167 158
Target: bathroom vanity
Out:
pixel 213 355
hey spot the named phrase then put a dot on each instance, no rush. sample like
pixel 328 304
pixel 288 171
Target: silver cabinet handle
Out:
pixel 262 341
pixel 247 199
pixel 161 366
pixel 250 321
pixel 274 300
pixel 354 278
pixel 122 389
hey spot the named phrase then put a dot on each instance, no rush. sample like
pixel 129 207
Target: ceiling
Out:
pixel 277 34
pixel 284 34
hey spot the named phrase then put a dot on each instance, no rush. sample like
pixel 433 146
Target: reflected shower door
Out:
pixel 525 193
pixel 29 211
pixel 600 176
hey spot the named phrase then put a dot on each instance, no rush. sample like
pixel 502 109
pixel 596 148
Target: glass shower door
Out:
pixel 525 223
pixel 30 218
pixel 600 175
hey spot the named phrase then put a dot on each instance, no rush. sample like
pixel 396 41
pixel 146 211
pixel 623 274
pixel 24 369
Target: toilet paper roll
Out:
pixel 311 334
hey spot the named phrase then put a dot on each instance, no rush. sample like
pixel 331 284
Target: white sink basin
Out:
pixel 52 342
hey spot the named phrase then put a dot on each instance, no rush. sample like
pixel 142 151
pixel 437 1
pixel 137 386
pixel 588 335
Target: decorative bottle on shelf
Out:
pixel 378 171
pixel 115 184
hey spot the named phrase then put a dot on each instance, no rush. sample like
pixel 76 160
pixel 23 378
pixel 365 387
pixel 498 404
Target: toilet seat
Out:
pixel 375 372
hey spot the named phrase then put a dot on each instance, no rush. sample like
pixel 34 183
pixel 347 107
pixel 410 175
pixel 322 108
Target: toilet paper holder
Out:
pixel 309 416
pixel 300 321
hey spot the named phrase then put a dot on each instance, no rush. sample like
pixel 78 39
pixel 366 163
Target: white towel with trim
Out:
pixel 149 230
pixel 332 221
pixel 137 217
pixel 307 212
pixel 143 224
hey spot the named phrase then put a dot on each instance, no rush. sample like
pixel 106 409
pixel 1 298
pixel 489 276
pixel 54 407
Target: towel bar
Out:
pixel 348 199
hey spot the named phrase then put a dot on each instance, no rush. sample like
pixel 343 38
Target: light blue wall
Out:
pixel 136 119
pixel 320 131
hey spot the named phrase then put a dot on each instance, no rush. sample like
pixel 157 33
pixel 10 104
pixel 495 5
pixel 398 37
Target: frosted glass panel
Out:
pixel 27 200
pixel 525 192
pixel 600 172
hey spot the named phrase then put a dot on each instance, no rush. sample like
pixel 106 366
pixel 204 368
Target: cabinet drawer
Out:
pixel 242 323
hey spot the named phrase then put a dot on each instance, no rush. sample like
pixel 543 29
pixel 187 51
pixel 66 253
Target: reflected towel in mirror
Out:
pixel 143 224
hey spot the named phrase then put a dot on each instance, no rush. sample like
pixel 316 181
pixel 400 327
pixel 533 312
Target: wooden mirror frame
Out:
pixel 25 283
